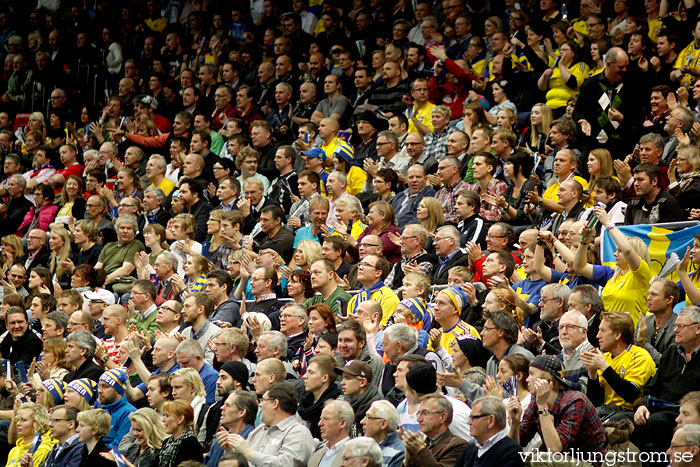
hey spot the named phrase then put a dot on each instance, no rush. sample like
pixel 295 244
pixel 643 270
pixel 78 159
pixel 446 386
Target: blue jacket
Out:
pixel 69 456
pixel 121 424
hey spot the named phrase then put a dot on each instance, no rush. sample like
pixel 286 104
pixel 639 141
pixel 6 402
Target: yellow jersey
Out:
pixel 634 364
pixel 424 116
pixel 552 191
pixel 459 329
pixel 688 57
pixel 559 93
pixel 386 297
pixel 628 292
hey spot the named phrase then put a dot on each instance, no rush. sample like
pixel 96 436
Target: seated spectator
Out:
pixel 380 424
pixel 564 418
pixel 80 350
pixel 112 386
pixel 447 249
pixel 619 389
pixel 380 220
pixel 93 426
pixel 182 444
pixel 323 281
pixel 263 446
pixel 440 445
pixel 573 327
pixel 358 391
pixel 654 333
pixel 544 335
pixel 372 270
pixel 196 309
pixel 335 424
pixel 352 345
pixel 64 429
pixel 20 344
pixel 117 258
pixel 412 242
pixel 189 354
pixel 237 418
pixel 30 420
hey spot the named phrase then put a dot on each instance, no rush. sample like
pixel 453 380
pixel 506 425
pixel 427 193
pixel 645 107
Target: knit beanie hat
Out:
pixel 56 388
pixel 115 378
pixel 422 379
pixel 238 371
pixel 85 387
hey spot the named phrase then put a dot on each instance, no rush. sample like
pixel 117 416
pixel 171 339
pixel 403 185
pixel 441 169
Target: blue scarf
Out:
pixel 365 294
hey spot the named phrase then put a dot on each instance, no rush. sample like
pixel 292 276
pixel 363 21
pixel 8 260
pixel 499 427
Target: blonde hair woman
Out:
pixel 430 214
pixel 11 250
pixel 626 286
pixel 30 420
pixel 540 124
pixel 195 272
pixel 59 244
pixel 307 252
pixel 147 436
pixel 214 229
pixel 182 229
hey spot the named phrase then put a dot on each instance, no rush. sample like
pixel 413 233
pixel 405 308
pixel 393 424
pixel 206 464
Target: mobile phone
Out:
pixel 307 138
pixel 118 458
pixel 350 226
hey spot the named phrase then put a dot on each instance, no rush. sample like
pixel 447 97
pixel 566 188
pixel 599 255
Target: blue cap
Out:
pixel 315 153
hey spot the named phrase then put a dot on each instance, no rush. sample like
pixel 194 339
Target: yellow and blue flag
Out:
pixel 660 242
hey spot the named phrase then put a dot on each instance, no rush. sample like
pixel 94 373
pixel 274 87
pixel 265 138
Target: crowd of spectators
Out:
pixel 367 233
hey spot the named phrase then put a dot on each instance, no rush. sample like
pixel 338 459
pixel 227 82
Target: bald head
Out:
pixel 332 123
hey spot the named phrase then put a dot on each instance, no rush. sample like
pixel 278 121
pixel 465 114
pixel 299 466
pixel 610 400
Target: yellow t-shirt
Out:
pixel 552 192
pixel 385 297
pixel 655 26
pixel 459 329
pixel 688 57
pixel 356 180
pixel 166 185
pixel 628 292
pixel 695 278
pixel 559 93
pixel 635 365
pixel 330 148
pixel 424 115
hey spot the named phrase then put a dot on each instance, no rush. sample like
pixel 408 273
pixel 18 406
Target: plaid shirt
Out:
pixel 436 145
pixel 575 419
pixel 490 213
pixel 448 197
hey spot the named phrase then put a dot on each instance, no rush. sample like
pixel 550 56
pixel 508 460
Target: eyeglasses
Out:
pixel 366 265
pixel 346 458
pixel 545 300
pixel 569 327
pixel 127 205
pixel 369 244
pixel 683 326
pixel 59 420
pixel 382 144
pixel 403 239
pixel 475 417
pixel 487 329
pixel 167 308
pixel 374 418
pixel 423 413
pixel 489 237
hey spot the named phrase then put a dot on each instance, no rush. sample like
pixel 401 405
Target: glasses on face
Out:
pixel 545 300
pixel 366 265
pixel 167 308
pixel 487 329
pixel 423 413
pixel 683 326
pixel 491 237
pixel 476 417
pixel 369 244
pixel 403 239
pixel 569 327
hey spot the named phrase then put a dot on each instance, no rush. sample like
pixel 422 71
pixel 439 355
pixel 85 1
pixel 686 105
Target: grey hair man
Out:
pixel 380 423
pixel 273 344
pixel 337 418
pixel 544 335
pixel 365 450
pixel 80 350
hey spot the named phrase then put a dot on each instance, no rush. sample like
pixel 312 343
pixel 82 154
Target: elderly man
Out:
pixel 189 354
pixel 677 374
pixel 13 211
pixel 440 446
pixel 607 123
pixel 253 202
pixel 487 424
pixel 447 249
pixel 336 189
pixel 238 412
pixel 573 326
pixel 380 423
pixel 544 335
pixel 154 213
pixel 586 300
pixel 685 446
pixel 413 240
pixel 337 419
pixel 398 341
pixel 501 338
pixel 155 171
pixel 279 439
pixel 406 202
pixel 294 324
pixel 38 253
